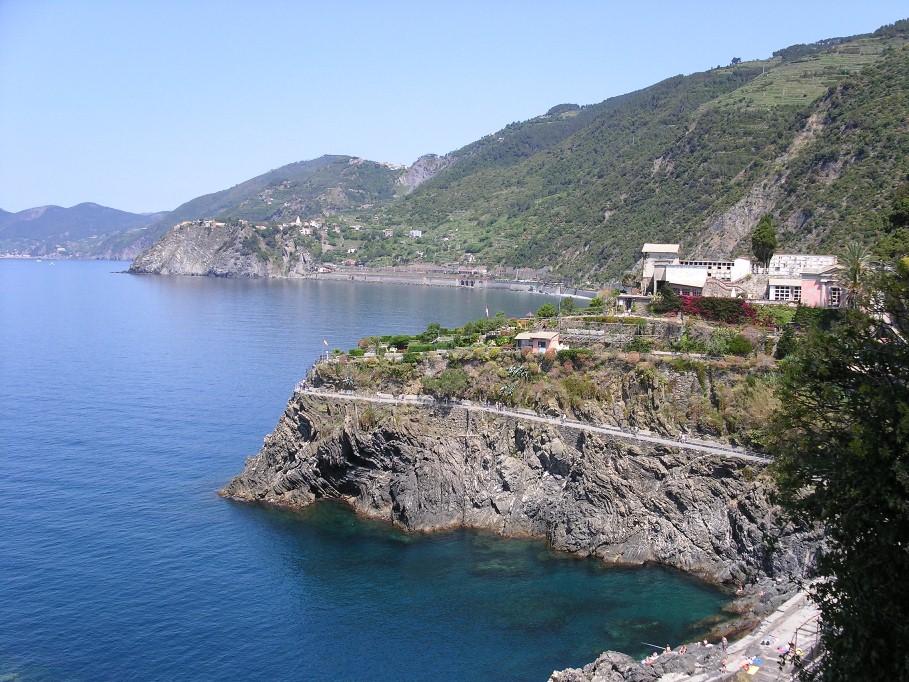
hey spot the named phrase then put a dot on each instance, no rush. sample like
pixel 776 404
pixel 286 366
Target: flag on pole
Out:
pixel 324 342
pixel 487 311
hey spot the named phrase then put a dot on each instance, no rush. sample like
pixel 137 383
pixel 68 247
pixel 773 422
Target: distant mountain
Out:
pixel 816 136
pixel 71 232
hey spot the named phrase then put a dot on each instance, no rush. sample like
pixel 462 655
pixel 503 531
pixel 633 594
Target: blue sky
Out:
pixel 142 105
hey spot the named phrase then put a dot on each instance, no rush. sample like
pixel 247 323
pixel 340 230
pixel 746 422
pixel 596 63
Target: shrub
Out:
pixel 579 388
pixel 719 309
pixel 356 352
pixel 447 384
pixel 546 310
pixel 640 344
pixel 739 345
pixel 572 353
pixel 686 344
pixel 666 301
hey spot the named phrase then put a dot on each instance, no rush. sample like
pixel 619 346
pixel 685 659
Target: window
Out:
pixel 787 293
pixel 834 297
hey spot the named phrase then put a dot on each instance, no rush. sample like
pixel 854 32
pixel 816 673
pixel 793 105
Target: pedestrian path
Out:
pixel 691 444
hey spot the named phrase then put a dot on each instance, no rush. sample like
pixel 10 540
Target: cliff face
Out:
pixel 428 467
pixel 222 251
pixel 423 169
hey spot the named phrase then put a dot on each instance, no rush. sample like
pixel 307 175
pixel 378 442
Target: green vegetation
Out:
pixel 447 384
pixel 763 240
pixel 546 310
pixel 842 447
pixel 818 133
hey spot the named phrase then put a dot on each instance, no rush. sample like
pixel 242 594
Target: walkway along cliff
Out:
pixel 431 465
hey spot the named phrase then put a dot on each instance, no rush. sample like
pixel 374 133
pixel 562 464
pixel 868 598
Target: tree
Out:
pixel 853 266
pixel 736 60
pixel 895 244
pixel 595 304
pixel 841 443
pixel 566 305
pixel 546 310
pixel 666 301
pixel 431 333
pixel 763 240
pixel 899 211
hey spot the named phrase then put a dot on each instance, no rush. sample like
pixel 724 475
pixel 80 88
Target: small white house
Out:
pixel 415 234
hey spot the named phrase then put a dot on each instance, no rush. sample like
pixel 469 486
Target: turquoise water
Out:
pixel 126 401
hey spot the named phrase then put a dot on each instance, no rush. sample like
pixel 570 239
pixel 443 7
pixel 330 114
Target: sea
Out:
pixel 127 401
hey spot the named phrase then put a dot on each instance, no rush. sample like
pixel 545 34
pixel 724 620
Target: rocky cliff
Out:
pixel 229 250
pixel 423 169
pixel 433 466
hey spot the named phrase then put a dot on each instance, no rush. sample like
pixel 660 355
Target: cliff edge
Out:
pixel 433 465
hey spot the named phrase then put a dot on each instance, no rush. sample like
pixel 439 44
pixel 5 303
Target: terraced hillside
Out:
pixel 816 136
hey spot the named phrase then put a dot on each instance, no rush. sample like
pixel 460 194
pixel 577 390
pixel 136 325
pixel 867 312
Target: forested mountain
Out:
pixel 816 136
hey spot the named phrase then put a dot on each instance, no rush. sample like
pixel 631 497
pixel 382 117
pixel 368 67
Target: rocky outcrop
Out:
pixel 423 169
pixel 727 234
pixel 194 248
pixel 431 466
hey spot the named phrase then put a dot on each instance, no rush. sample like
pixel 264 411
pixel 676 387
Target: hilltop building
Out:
pixel 807 279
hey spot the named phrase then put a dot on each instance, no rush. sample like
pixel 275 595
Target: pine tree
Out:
pixel 763 240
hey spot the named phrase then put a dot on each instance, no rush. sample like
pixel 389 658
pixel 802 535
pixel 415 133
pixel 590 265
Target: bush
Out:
pixel 776 315
pixel 447 384
pixel 666 301
pixel 546 310
pixel 640 344
pixel 572 353
pixel 356 352
pixel 739 345
pixel 719 309
pixel 688 345
pixel 411 358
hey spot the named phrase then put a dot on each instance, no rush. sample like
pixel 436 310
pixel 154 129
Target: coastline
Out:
pixel 628 498
pixel 440 279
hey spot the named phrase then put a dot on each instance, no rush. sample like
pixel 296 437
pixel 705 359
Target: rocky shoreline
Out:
pixel 428 467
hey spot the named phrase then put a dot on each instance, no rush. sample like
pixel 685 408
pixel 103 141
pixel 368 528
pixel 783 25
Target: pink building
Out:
pixel 814 287
pixel 539 342
pixel 820 288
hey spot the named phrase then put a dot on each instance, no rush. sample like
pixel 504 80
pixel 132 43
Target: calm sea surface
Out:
pixel 126 401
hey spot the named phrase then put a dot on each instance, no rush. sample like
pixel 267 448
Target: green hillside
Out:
pixel 663 163
pixel 323 186
pixel 816 136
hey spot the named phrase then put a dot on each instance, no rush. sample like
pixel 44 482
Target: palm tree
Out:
pixel 854 267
